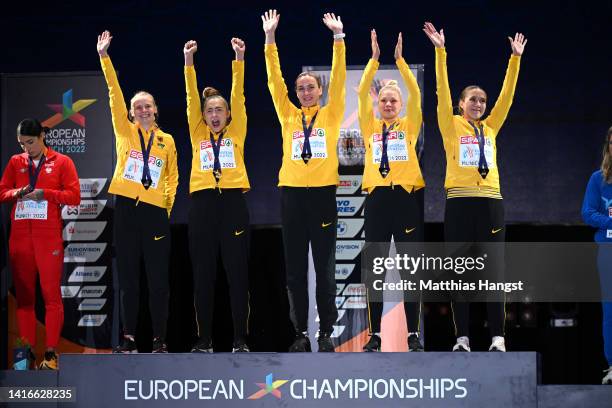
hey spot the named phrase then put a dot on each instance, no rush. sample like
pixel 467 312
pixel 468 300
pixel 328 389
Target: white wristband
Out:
pixel 339 36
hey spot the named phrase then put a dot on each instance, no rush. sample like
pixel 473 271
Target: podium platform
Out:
pixel 307 380
pixel 574 396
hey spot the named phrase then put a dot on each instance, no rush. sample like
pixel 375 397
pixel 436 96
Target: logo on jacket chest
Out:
pixel 49 167
pixel 317 141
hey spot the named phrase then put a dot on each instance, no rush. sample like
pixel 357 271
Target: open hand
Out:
pixel 333 23
pixel 398 47
pixel 104 41
pixel 375 47
pixel 518 44
pixel 437 38
pixel 270 21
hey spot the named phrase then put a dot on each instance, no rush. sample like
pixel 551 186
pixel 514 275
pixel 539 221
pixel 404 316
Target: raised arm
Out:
pixel 194 109
pixel 504 100
pixel 413 108
pixel 270 21
pixel 276 82
pixel 445 103
pixel 239 117
pixel 366 113
pixel 171 182
pixel 335 25
pixel 190 48
pixel 104 41
pixel 337 89
pixel 119 111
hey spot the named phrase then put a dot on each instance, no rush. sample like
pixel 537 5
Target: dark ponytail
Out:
pixel 457 109
pixel 32 127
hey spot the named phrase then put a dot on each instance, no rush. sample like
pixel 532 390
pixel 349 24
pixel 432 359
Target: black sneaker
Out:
pixel 240 347
pixel 50 361
pixel 127 346
pixel 202 346
pixel 373 344
pixel 325 343
pixel 414 343
pixel 301 344
pixel 159 346
pixel 31 360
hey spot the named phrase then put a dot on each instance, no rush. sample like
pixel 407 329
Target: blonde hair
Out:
pixel 391 85
pixel 138 95
pixel 606 163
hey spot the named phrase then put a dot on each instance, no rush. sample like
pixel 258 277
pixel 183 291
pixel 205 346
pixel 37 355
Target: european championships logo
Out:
pixel 270 387
pixel 68 110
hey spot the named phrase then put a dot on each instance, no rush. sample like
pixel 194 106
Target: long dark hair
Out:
pixel 310 74
pixel 606 163
pixel 32 127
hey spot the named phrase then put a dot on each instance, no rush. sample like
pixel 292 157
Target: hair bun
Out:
pixel 210 91
pixel 392 82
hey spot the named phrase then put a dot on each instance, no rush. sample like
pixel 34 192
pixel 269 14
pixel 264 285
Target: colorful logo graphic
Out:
pixel 68 110
pixel 270 387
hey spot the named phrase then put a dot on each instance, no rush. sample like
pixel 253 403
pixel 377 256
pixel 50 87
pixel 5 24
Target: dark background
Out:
pixel 548 147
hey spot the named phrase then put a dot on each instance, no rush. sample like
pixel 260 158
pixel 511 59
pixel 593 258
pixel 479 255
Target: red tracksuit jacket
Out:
pixel 58 179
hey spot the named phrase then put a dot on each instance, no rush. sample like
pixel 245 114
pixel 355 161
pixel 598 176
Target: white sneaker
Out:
pixel 463 344
pixel 498 344
pixel 608 378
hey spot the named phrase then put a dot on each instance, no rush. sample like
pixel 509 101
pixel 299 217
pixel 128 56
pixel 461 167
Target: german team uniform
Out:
pixel 308 189
pixel 391 207
pixel 474 206
pixel 219 217
pixel 141 219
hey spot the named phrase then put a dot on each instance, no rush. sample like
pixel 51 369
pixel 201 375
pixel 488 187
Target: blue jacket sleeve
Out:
pixel 591 213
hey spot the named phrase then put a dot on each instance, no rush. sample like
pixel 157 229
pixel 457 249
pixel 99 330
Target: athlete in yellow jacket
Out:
pixel 218 216
pixel 474 206
pixel 308 179
pixel 391 176
pixel 144 185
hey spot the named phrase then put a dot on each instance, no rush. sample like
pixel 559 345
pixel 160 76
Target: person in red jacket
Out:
pixel 38 182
